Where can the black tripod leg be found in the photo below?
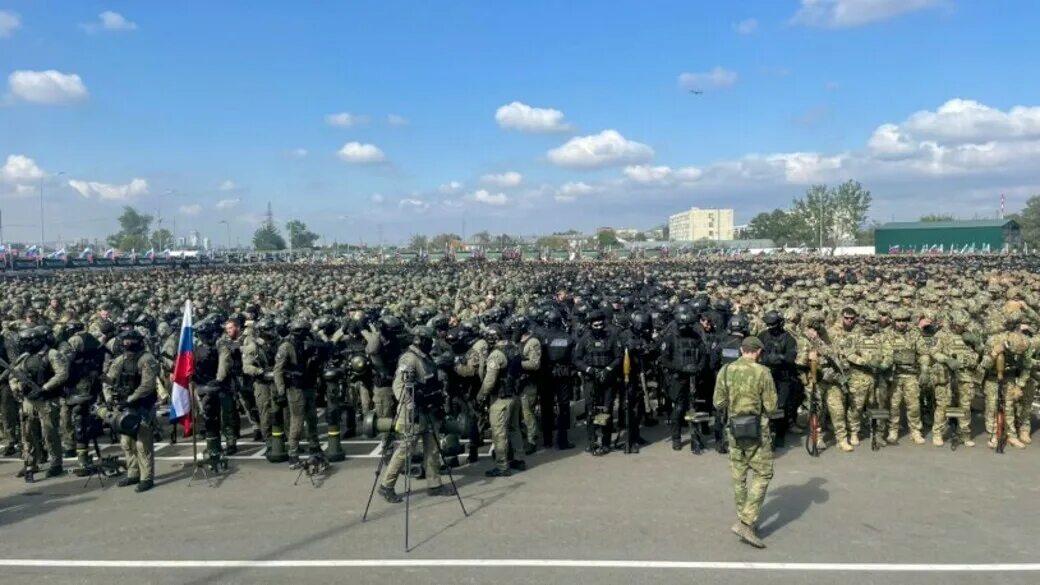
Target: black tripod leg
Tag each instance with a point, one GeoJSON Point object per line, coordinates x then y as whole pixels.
{"type": "Point", "coordinates": [440, 455]}
{"type": "Point", "coordinates": [379, 468]}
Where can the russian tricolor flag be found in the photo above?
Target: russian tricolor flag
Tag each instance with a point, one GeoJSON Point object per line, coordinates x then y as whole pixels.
{"type": "Point", "coordinates": [183, 370]}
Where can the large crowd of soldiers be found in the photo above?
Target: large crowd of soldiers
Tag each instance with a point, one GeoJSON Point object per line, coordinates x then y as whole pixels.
{"type": "Point", "coordinates": [523, 349]}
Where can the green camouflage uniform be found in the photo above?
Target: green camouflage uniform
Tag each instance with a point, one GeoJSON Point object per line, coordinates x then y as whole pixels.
{"type": "Point", "coordinates": [504, 412]}
{"type": "Point", "coordinates": [1017, 369]}
{"type": "Point", "coordinates": [905, 382]}
{"type": "Point", "coordinates": [531, 351]}
{"type": "Point", "coordinates": [139, 451]}
{"type": "Point", "coordinates": [258, 360]}
{"type": "Point", "coordinates": [960, 366]}
{"type": "Point", "coordinates": [414, 363]}
{"type": "Point", "coordinates": [745, 387]}
{"type": "Point", "coordinates": [44, 410]}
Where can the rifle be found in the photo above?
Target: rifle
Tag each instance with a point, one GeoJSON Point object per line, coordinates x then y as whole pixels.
{"type": "Point", "coordinates": [815, 422]}
{"type": "Point", "coordinates": [999, 432]}
{"type": "Point", "coordinates": [626, 371]}
{"type": "Point", "coordinates": [35, 389]}
{"type": "Point", "coordinates": [954, 414]}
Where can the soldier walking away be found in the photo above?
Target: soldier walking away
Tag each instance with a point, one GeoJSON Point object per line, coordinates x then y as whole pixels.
{"type": "Point", "coordinates": [745, 390]}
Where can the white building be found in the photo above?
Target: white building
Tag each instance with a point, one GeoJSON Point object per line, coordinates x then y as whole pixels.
{"type": "Point", "coordinates": [701, 224]}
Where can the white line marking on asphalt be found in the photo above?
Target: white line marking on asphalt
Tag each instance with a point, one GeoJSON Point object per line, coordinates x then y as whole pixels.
{"type": "Point", "coordinates": [531, 563]}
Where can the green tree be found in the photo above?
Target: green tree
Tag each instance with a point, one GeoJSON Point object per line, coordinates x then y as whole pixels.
{"type": "Point", "coordinates": [783, 227]}
{"type": "Point", "coordinates": [833, 216]}
{"type": "Point", "coordinates": [483, 238]}
{"type": "Point", "coordinates": [267, 238]}
{"type": "Point", "coordinates": [131, 223]}
{"type": "Point", "coordinates": [418, 242]}
{"type": "Point", "coordinates": [639, 237]}
{"type": "Point", "coordinates": [161, 239]}
{"type": "Point", "coordinates": [299, 235]}
{"type": "Point", "coordinates": [443, 241]}
{"type": "Point", "coordinates": [935, 217]}
{"type": "Point", "coordinates": [505, 241]}
{"type": "Point", "coordinates": [607, 238]}
{"type": "Point", "coordinates": [132, 242]}
{"type": "Point", "coordinates": [1029, 221]}
{"type": "Point", "coordinates": [554, 242]}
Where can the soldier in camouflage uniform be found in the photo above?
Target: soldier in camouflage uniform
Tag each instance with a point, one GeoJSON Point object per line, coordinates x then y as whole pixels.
{"type": "Point", "coordinates": [745, 388]}
{"type": "Point", "coordinates": [48, 370]}
{"type": "Point", "coordinates": [130, 386]}
{"type": "Point", "coordinates": [501, 384]}
{"type": "Point", "coordinates": [9, 406]}
{"type": "Point", "coordinates": [960, 363]}
{"type": "Point", "coordinates": [904, 344]}
{"type": "Point", "coordinates": [258, 353]}
{"type": "Point", "coordinates": [531, 352]}
{"type": "Point", "coordinates": [1017, 367]}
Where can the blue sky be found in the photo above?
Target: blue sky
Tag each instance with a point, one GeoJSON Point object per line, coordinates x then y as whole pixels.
{"type": "Point", "coordinates": [207, 110]}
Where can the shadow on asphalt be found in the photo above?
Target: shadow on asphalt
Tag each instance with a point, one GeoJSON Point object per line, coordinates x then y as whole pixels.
{"type": "Point", "coordinates": [789, 503]}
{"type": "Point", "coordinates": [38, 501]}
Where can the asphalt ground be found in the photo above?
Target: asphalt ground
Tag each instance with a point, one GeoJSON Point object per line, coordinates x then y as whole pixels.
{"type": "Point", "coordinates": [905, 514]}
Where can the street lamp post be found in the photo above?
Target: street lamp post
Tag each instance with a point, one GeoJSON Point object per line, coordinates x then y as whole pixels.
{"type": "Point", "coordinates": [228, 227]}
{"type": "Point", "coordinates": [41, 209]}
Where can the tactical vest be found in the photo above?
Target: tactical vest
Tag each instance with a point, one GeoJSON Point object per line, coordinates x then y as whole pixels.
{"type": "Point", "coordinates": [730, 348]}
{"type": "Point", "coordinates": [686, 352]}
{"type": "Point", "coordinates": [870, 349]}
{"type": "Point", "coordinates": [206, 364]}
{"type": "Point", "coordinates": [128, 378]}
{"type": "Point", "coordinates": [774, 344]}
{"type": "Point", "coordinates": [508, 380]}
{"type": "Point", "coordinates": [558, 347]}
{"type": "Point", "coordinates": [904, 356]}
{"type": "Point", "coordinates": [37, 367]}
{"type": "Point", "coordinates": [964, 354]}
{"type": "Point", "coordinates": [599, 354]}
{"type": "Point", "coordinates": [86, 361]}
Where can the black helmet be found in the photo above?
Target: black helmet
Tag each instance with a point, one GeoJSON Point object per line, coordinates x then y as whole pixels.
{"type": "Point", "coordinates": [722, 305]}
{"type": "Point", "coordinates": [773, 319]}
{"type": "Point", "coordinates": [325, 324]}
{"type": "Point", "coordinates": [685, 319]}
{"type": "Point", "coordinates": [422, 333]}
{"type": "Point", "coordinates": [207, 329]}
{"type": "Point", "coordinates": [596, 315]}
{"type": "Point", "coordinates": [738, 324]}
{"type": "Point", "coordinates": [147, 321]}
{"type": "Point", "coordinates": [31, 339]}
{"type": "Point", "coordinates": [438, 322]}
{"type": "Point", "coordinates": [390, 323]}
{"type": "Point", "coordinates": [640, 322]}
{"type": "Point", "coordinates": [552, 318]}
{"type": "Point", "coordinates": [494, 332]}
{"type": "Point", "coordinates": [71, 328]}
{"type": "Point", "coordinates": [299, 327]}
{"type": "Point", "coordinates": [265, 325]}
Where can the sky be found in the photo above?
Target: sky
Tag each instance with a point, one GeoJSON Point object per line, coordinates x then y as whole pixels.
{"type": "Point", "coordinates": [374, 120]}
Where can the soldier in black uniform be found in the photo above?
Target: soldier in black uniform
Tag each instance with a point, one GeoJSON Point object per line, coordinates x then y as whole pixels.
{"type": "Point", "coordinates": [207, 389]}
{"type": "Point", "coordinates": [637, 341]}
{"type": "Point", "coordinates": [598, 356]}
{"type": "Point", "coordinates": [556, 392]}
{"type": "Point", "coordinates": [779, 356]}
{"type": "Point", "coordinates": [683, 357]}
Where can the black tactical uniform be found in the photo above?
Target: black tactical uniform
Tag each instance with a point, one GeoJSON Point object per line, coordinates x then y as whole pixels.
{"type": "Point", "coordinates": [683, 356]}
{"type": "Point", "coordinates": [598, 356]}
{"type": "Point", "coordinates": [779, 355]}
{"type": "Point", "coordinates": [558, 349]}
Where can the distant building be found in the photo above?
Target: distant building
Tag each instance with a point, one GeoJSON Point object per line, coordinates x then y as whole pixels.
{"type": "Point", "coordinates": [701, 224]}
{"type": "Point", "coordinates": [980, 236]}
{"type": "Point", "coordinates": [205, 244]}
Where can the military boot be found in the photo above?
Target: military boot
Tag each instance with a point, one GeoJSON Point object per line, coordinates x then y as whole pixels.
{"type": "Point", "coordinates": [1014, 442]}
{"type": "Point", "coordinates": [747, 534]}
{"type": "Point", "coordinates": [937, 439]}
{"type": "Point", "coordinates": [844, 446]}
{"type": "Point", "coordinates": [1023, 435]}
{"type": "Point", "coordinates": [917, 437]}
{"type": "Point", "coordinates": [893, 437]}
{"type": "Point", "coordinates": [389, 495]}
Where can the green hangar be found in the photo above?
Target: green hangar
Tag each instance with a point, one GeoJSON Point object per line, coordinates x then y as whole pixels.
{"type": "Point", "coordinates": [969, 236]}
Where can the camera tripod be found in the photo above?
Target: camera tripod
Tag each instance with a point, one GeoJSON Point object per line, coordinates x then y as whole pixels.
{"type": "Point", "coordinates": [410, 437]}
{"type": "Point", "coordinates": [314, 465]}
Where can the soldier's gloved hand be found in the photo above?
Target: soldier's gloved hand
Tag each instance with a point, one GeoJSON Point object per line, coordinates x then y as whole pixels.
{"type": "Point", "coordinates": [36, 394]}
{"type": "Point", "coordinates": [1014, 392]}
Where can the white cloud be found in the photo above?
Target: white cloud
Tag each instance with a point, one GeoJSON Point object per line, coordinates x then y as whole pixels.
{"type": "Point", "coordinates": [193, 209]}
{"type": "Point", "coordinates": [108, 191]}
{"type": "Point", "coordinates": [9, 22]}
{"type": "Point", "coordinates": [507, 179]}
{"type": "Point", "coordinates": [228, 185]}
{"type": "Point", "coordinates": [606, 149]}
{"type": "Point", "coordinates": [228, 203]}
{"type": "Point", "coordinates": [345, 120]}
{"type": "Point", "coordinates": [487, 198]}
{"type": "Point", "coordinates": [46, 87]}
{"type": "Point", "coordinates": [395, 120]}
{"type": "Point", "coordinates": [361, 154]}
{"type": "Point", "coordinates": [746, 26]}
{"type": "Point", "coordinates": [662, 175]}
{"type": "Point", "coordinates": [109, 21]}
{"type": "Point", "coordinates": [411, 204]}
{"type": "Point", "coordinates": [962, 121]}
{"type": "Point", "coordinates": [19, 169]}
{"type": "Point", "coordinates": [524, 118]}
{"type": "Point", "coordinates": [297, 153]}
{"type": "Point", "coordinates": [377, 198]}
{"type": "Point", "coordinates": [717, 78]}
{"type": "Point", "coordinates": [851, 13]}
{"type": "Point", "coordinates": [450, 187]}
{"type": "Point", "coordinates": [572, 190]}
